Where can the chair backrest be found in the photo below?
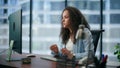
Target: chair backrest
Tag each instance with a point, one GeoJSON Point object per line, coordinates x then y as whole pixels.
{"type": "Point", "coordinates": [96, 36]}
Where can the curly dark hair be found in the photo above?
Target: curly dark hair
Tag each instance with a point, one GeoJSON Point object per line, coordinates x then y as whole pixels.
{"type": "Point", "coordinates": [76, 18]}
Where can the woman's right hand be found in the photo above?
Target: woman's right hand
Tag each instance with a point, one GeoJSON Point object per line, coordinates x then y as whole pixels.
{"type": "Point", "coordinates": [54, 48]}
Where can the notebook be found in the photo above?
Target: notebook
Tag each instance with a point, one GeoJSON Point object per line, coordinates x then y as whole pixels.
{"type": "Point", "coordinates": [51, 58]}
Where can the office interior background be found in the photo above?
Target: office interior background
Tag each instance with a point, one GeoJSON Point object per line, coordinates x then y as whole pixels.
{"type": "Point", "coordinates": [46, 16]}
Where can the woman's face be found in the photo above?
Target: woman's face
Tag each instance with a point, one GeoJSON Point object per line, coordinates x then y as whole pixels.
{"type": "Point", "coordinates": [66, 19]}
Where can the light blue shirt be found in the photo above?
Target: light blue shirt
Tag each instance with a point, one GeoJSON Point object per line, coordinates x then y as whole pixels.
{"type": "Point", "coordinates": [82, 46]}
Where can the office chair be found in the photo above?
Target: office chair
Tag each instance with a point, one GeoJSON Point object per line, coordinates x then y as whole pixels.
{"type": "Point", "coordinates": [96, 36]}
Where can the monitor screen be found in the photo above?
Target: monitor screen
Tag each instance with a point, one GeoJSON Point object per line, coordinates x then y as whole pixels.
{"type": "Point", "coordinates": [15, 30]}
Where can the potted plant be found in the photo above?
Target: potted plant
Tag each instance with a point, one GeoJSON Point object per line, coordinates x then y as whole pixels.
{"type": "Point", "coordinates": [117, 51]}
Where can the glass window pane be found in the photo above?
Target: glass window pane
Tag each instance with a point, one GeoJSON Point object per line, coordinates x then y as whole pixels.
{"type": "Point", "coordinates": [46, 25]}
{"type": "Point", "coordinates": [1, 12]}
{"type": "Point", "coordinates": [56, 6]}
{"type": "Point", "coordinates": [25, 19]}
{"type": "Point", "coordinates": [94, 5]}
{"type": "Point", "coordinates": [55, 19]}
{"type": "Point", "coordinates": [79, 4]}
{"type": "Point", "coordinates": [4, 32]}
{"type": "Point", "coordinates": [11, 10]}
{"type": "Point", "coordinates": [114, 4]}
{"type": "Point", "coordinates": [38, 18]}
{"type": "Point", "coordinates": [38, 5]}
{"type": "Point", "coordinates": [115, 33]}
{"type": "Point", "coordinates": [95, 19]}
{"type": "Point", "coordinates": [3, 21]}
{"type": "Point", "coordinates": [5, 1]}
{"type": "Point", "coordinates": [8, 7]}
{"type": "Point", "coordinates": [115, 18]}
{"type": "Point", "coordinates": [82, 4]}
{"type": "Point", "coordinates": [13, 2]}
{"type": "Point", "coordinates": [5, 11]}
{"type": "Point", "coordinates": [25, 6]}
{"type": "Point", "coordinates": [1, 2]}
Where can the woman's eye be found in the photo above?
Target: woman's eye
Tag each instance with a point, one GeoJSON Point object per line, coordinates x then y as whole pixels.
{"type": "Point", "coordinates": [66, 16]}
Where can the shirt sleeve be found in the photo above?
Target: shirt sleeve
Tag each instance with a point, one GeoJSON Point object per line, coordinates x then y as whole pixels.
{"type": "Point", "coordinates": [60, 46]}
{"type": "Point", "coordinates": [83, 46]}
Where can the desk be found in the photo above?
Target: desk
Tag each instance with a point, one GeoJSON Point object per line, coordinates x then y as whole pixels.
{"type": "Point", "coordinates": [36, 62]}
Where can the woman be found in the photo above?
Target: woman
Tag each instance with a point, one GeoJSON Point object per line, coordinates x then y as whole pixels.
{"type": "Point", "coordinates": [75, 35]}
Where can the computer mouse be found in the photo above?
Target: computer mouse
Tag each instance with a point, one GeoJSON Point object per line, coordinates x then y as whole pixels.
{"type": "Point", "coordinates": [31, 55]}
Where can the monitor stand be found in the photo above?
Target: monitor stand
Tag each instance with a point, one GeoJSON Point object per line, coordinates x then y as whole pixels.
{"type": "Point", "coordinates": [9, 53]}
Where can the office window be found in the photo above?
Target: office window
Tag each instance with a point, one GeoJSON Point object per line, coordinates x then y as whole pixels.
{"type": "Point", "coordinates": [46, 24]}
{"type": "Point", "coordinates": [40, 18]}
{"type": "Point", "coordinates": [0, 21]}
{"type": "Point", "coordinates": [3, 31]}
{"type": "Point", "coordinates": [95, 5]}
{"type": "Point", "coordinates": [5, 11]}
{"type": "Point", "coordinates": [115, 33]}
{"type": "Point", "coordinates": [86, 5]}
{"type": "Point", "coordinates": [95, 19]}
{"type": "Point", "coordinates": [115, 18]}
{"type": "Point", "coordinates": [114, 4]}
{"type": "Point", "coordinates": [5, 1]}
{"type": "Point", "coordinates": [25, 6]}
{"type": "Point", "coordinates": [4, 41]}
{"type": "Point", "coordinates": [13, 2]}
{"type": "Point", "coordinates": [25, 19]}
{"type": "Point", "coordinates": [55, 19]}
{"type": "Point", "coordinates": [3, 21]}
{"type": "Point", "coordinates": [1, 2]}
{"type": "Point", "coordinates": [38, 5]}
{"type": "Point", "coordinates": [56, 6]}
{"type": "Point", "coordinates": [111, 49]}
{"type": "Point", "coordinates": [90, 9]}
{"type": "Point", "coordinates": [25, 44]}
{"type": "Point", "coordinates": [1, 12]}
{"type": "Point", "coordinates": [81, 4]}
{"type": "Point", "coordinates": [11, 10]}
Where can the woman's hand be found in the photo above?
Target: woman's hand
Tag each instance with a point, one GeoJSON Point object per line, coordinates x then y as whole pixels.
{"type": "Point", "coordinates": [67, 52]}
{"type": "Point", "coordinates": [54, 48]}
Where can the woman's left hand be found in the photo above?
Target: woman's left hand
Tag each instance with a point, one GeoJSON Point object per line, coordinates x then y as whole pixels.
{"type": "Point", "coordinates": [67, 52]}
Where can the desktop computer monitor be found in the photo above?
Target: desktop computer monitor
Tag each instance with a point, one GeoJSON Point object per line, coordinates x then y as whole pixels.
{"type": "Point", "coordinates": [15, 30]}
